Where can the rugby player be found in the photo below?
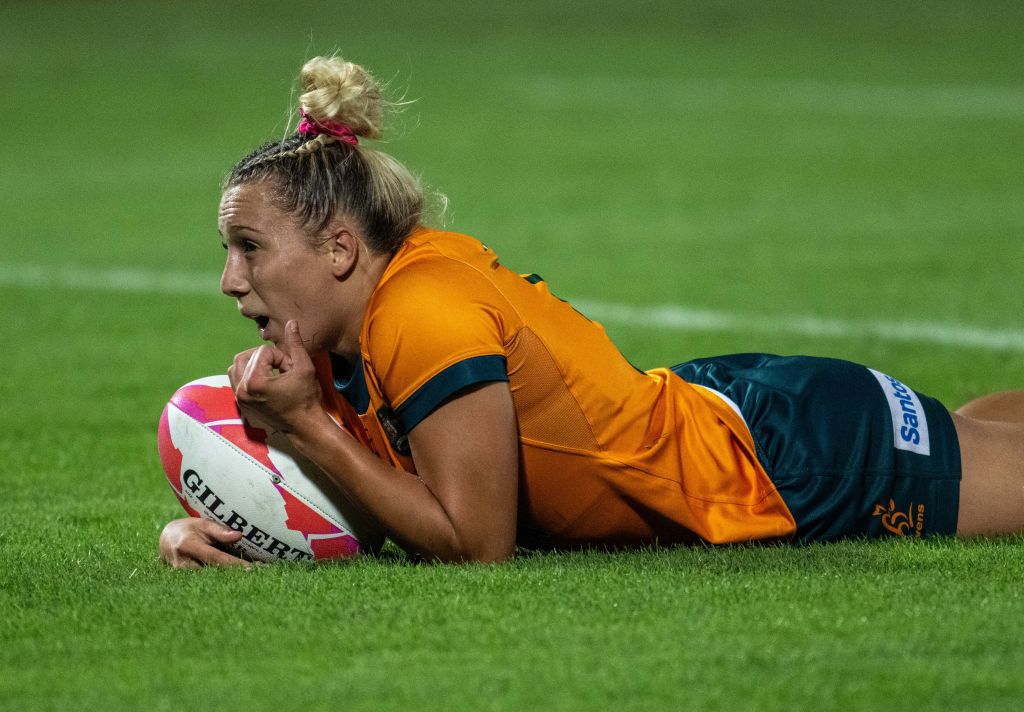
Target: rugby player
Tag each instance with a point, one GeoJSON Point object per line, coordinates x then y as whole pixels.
{"type": "Point", "coordinates": [483, 413]}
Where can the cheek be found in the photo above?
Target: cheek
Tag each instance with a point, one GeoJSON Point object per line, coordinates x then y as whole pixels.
{"type": "Point", "coordinates": [272, 279]}
{"type": "Point", "coordinates": [295, 284]}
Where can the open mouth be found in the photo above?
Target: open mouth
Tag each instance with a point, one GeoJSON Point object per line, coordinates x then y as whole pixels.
{"type": "Point", "coordinates": [262, 321]}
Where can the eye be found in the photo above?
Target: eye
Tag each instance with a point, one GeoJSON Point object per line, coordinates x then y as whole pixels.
{"type": "Point", "coordinates": [249, 246]}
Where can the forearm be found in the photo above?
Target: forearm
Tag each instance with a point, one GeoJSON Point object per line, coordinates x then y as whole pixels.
{"type": "Point", "coordinates": [409, 512]}
{"type": "Point", "coordinates": [462, 504]}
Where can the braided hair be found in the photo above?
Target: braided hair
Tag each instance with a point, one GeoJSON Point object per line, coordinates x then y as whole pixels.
{"type": "Point", "coordinates": [322, 171]}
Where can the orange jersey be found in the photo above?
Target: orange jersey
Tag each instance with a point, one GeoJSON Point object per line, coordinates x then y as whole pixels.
{"type": "Point", "coordinates": [609, 455]}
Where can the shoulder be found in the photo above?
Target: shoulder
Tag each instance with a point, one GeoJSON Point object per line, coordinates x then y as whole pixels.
{"type": "Point", "coordinates": [436, 278]}
{"type": "Point", "coordinates": [435, 306]}
{"type": "Point", "coordinates": [431, 257]}
{"type": "Point", "coordinates": [436, 324]}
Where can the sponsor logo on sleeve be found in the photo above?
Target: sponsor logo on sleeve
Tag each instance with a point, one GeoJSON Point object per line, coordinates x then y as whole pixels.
{"type": "Point", "coordinates": [392, 427]}
{"type": "Point", "coordinates": [909, 424]}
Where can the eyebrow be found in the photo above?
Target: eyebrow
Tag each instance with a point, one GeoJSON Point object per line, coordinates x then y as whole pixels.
{"type": "Point", "coordinates": [235, 228]}
{"type": "Point", "coordinates": [246, 227]}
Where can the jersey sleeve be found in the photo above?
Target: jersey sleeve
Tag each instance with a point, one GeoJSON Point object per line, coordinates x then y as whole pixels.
{"type": "Point", "coordinates": [433, 334]}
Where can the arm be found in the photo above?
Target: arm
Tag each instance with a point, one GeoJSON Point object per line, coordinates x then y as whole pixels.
{"type": "Point", "coordinates": [461, 507]}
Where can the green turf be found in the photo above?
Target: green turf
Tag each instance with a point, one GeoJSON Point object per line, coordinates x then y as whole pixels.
{"type": "Point", "coordinates": [857, 161]}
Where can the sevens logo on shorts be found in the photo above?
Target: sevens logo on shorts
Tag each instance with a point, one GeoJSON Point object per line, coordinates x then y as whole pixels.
{"type": "Point", "coordinates": [901, 523]}
{"type": "Point", "coordinates": [909, 424]}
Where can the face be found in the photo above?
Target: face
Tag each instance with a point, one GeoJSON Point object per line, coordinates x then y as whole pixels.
{"type": "Point", "coordinates": [274, 271]}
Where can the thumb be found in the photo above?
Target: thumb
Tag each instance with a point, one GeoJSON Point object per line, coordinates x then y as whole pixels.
{"type": "Point", "coordinates": [221, 533]}
{"type": "Point", "coordinates": [292, 344]}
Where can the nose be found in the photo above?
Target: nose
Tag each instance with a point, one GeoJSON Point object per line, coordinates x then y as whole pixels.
{"type": "Point", "coordinates": [233, 281]}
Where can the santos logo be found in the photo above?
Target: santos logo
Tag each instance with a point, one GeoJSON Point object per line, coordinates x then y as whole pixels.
{"type": "Point", "coordinates": [909, 425]}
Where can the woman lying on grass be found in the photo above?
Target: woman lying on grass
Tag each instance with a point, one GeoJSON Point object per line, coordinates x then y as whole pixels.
{"type": "Point", "coordinates": [484, 413]}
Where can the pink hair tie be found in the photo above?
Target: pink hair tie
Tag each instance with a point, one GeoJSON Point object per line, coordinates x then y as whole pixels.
{"type": "Point", "coordinates": [340, 131]}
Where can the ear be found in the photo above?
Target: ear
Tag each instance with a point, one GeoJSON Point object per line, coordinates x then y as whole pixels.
{"type": "Point", "coordinates": [343, 249]}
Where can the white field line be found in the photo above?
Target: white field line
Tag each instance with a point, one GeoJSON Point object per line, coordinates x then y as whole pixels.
{"type": "Point", "coordinates": [107, 280]}
{"type": "Point", "coordinates": [672, 317]}
{"type": "Point", "coordinates": [680, 318]}
{"type": "Point", "coordinates": [950, 101]}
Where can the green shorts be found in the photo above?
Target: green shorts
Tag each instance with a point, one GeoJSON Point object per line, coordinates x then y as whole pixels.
{"type": "Point", "coordinates": [853, 452]}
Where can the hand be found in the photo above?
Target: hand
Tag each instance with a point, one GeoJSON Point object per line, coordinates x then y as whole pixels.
{"type": "Point", "coordinates": [191, 542]}
{"type": "Point", "coordinates": [277, 387]}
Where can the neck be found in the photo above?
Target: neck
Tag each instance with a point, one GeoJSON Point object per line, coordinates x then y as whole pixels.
{"type": "Point", "coordinates": [363, 281]}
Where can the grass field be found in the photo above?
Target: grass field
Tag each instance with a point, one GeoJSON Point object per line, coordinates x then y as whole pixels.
{"type": "Point", "coordinates": [784, 166]}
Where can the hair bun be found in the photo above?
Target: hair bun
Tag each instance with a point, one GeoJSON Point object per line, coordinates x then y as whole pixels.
{"type": "Point", "coordinates": [336, 90]}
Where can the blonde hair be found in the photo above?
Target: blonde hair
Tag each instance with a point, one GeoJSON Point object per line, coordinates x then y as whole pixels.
{"type": "Point", "coordinates": [320, 176]}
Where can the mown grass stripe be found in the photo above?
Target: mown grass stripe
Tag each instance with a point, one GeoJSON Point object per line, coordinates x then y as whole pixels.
{"type": "Point", "coordinates": [948, 101]}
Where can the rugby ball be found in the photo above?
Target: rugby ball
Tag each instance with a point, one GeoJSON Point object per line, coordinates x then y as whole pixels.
{"type": "Point", "coordinates": [224, 469]}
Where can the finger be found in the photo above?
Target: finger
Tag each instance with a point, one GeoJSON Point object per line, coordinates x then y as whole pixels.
{"type": "Point", "coordinates": [203, 552]}
{"type": "Point", "coordinates": [248, 372]}
{"type": "Point", "coordinates": [238, 365]}
{"type": "Point", "coordinates": [242, 358]}
{"type": "Point", "coordinates": [260, 369]}
{"type": "Point", "coordinates": [292, 341]}
{"type": "Point", "coordinates": [257, 370]}
{"type": "Point", "coordinates": [276, 358]}
{"type": "Point", "coordinates": [183, 562]}
{"type": "Point", "coordinates": [212, 556]}
{"type": "Point", "coordinates": [294, 349]}
{"type": "Point", "coordinates": [218, 531]}
{"type": "Point", "coordinates": [245, 389]}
